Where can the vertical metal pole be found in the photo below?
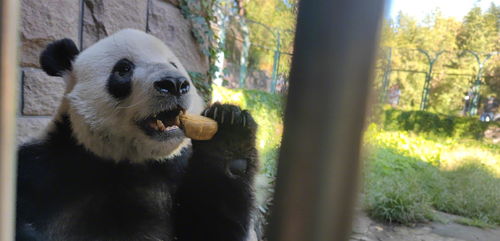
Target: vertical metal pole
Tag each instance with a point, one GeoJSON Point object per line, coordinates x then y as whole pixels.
{"type": "Point", "coordinates": [244, 52]}
{"type": "Point", "coordinates": [276, 53]}
{"type": "Point", "coordinates": [387, 76]}
{"type": "Point", "coordinates": [477, 83]}
{"type": "Point", "coordinates": [9, 11]}
{"type": "Point", "coordinates": [220, 9]}
{"type": "Point", "coordinates": [276, 63]}
{"type": "Point", "coordinates": [332, 69]}
{"type": "Point", "coordinates": [428, 77]}
{"type": "Point", "coordinates": [425, 91]}
{"type": "Point", "coordinates": [475, 91]}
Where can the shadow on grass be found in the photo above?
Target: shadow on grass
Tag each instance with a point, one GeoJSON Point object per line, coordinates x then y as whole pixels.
{"type": "Point", "coordinates": [402, 189]}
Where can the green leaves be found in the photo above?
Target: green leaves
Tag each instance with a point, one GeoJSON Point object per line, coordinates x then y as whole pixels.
{"type": "Point", "coordinates": [435, 124]}
{"type": "Point", "coordinates": [455, 69]}
{"type": "Point", "coordinates": [200, 14]}
{"type": "Point", "coordinates": [202, 85]}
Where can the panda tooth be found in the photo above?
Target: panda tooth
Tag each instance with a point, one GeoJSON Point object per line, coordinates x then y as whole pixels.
{"type": "Point", "coordinates": [171, 128]}
{"type": "Point", "coordinates": [159, 123]}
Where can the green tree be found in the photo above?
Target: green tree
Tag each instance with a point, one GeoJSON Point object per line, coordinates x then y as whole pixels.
{"type": "Point", "coordinates": [480, 33]}
{"type": "Point", "coordinates": [454, 70]}
{"type": "Point", "coordinates": [279, 16]}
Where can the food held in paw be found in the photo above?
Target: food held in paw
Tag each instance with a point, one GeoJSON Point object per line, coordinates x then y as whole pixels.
{"type": "Point", "coordinates": [198, 127]}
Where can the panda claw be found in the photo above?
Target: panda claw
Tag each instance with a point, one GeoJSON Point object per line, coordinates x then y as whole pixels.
{"type": "Point", "coordinates": [215, 113]}
{"type": "Point", "coordinates": [232, 117]}
{"type": "Point", "coordinates": [205, 112]}
{"type": "Point", "coordinates": [222, 117]}
{"type": "Point", "coordinates": [244, 120]}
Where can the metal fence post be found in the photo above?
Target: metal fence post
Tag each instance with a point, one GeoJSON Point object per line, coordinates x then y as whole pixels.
{"type": "Point", "coordinates": [9, 13]}
{"type": "Point", "coordinates": [222, 20]}
{"type": "Point", "coordinates": [387, 76]}
{"type": "Point", "coordinates": [425, 91]}
{"type": "Point", "coordinates": [318, 170]}
{"type": "Point", "coordinates": [244, 53]}
{"type": "Point", "coordinates": [428, 77]}
{"type": "Point", "coordinates": [473, 109]}
{"type": "Point", "coordinates": [276, 63]}
{"type": "Point", "coordinates": [277, 52]}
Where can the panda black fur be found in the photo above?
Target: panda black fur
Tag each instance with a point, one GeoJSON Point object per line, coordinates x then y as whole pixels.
{"type": "Point", "coordinates": [100, 173]}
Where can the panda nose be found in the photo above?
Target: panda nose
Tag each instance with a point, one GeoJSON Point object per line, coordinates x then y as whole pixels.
{"type": "Point", "coordinates": [172, 85]}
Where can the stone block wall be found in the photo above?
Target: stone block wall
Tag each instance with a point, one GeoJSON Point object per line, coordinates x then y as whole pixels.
{"type": "Point", "coordinates": [85, 22]}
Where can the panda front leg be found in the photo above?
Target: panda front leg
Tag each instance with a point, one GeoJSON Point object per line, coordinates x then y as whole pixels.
{"type": "Point", "coordinates": [215, 200]}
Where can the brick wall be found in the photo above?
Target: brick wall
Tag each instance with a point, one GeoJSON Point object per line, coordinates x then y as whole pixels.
{"type": "Point", "coordinates": [85, 22]}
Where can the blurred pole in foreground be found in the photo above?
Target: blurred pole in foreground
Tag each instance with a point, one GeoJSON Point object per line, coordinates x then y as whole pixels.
{"type": "Point", "coordinates": [332, 69]}
{"type": "Point", "coordinates": [9, 11]}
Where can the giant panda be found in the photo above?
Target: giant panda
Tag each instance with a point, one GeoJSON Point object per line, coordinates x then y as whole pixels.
{"type": "Point", "coordinates": [103, 170]}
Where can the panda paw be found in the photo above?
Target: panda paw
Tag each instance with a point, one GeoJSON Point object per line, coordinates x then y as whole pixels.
{"type": "Point", "coordinates": [233, 146]}
{"type": "Point", "coordinates": [231, 117]}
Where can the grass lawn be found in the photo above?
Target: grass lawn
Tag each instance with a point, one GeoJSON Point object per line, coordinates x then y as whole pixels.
{"type": "Point", "coordinates": [408, 175]}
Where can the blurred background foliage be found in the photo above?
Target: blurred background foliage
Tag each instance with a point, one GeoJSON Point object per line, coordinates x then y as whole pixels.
{"type": "Point", "coordinates": [280, 16]}
{"type": "Point", "coordinates": [454, 70]}
{"type": "Point", "coordinates": [249, 43]}
{"type": "Point", "coordinates": [255, 39]}
{"type": "Point", "coordinates": [415, 161]}
{"type": "Point", "coordinates": [435, 124]}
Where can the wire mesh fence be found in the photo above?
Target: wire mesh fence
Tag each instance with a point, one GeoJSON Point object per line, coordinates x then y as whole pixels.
{"type": "Point", "coordinates": [258, 64]}
{"type": "Point", "coordinates": [258, 56]}
{"type": "Point", "coordinates": [251, 55]}
{"type": "Point", "coordinates": [452, 82]}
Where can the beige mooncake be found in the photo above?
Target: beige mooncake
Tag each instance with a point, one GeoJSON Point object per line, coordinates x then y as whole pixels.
{"type": "Point", "coordinates": [198, 127]}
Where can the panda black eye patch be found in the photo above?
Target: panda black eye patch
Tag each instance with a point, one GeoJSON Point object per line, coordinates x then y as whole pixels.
{"type": "Point", "coordinates": [120, 79]}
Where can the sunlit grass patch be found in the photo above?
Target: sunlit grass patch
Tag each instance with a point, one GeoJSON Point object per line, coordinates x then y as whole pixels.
{"type": "Point", "coordinates": [459, 155]}
{"type": "Point", "coordinates": [472, 191]}
{"type": "Point", "coordinates": [407, 175]}
{"type": "Point", "coordinates": [394, 190]}
{"type": "Point", "coordinates": [447, 153]}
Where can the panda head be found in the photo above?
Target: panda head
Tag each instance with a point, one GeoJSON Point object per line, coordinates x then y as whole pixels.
{"type": "Point", "coordinates": [123, 95]}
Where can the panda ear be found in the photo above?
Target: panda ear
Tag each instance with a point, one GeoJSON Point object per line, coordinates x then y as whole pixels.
{"type": "Point", "coordinates": [57, 57]}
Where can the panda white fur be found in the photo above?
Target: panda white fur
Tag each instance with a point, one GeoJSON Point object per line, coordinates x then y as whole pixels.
{"type": "Point", "coordinates": [104, 171]}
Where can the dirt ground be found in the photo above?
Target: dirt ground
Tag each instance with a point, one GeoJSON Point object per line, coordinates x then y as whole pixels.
{"type": "Point", "coordinates": [366, 229]}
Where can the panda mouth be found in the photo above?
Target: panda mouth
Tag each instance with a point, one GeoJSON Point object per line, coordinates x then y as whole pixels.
{"type": "Point", "coordinates": [162, 123]}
